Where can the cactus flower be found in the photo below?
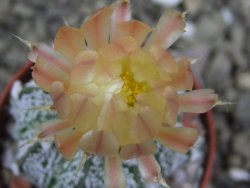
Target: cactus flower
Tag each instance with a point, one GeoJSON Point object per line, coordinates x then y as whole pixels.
{"type": "Point", "coordinates": [115, 87]}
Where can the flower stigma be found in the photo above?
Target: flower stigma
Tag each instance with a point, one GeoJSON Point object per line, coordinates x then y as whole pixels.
{"type": "Point", "coordinates": [131, 88]}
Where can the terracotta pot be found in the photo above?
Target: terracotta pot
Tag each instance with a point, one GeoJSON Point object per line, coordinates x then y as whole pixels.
{"type": "Point", "coordinates": [24, 74]}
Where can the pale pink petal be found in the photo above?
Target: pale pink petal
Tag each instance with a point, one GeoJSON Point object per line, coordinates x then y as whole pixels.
{"type": "Point", "coordinates": [183, 78]}
{"type": "Point", "coordinates": [97, 28]}
{"type": "Point", "coordinates": [83, 70]}
{"type": "Point", "coordinates": [68, 142]}
{"type": "Point", "coordinates": [69, 42]}
{"type": "Point", "coordinates": [49, 66]}
{"type": "Point", "coordinates": [122, 11]}
{"type": "Point", "coordinates": [197, 101]}
{"type": "Point", "coordinates": [52, 127]}
{"type": "Point", "coordinates": [171, 106]}
{"type": "Point", "coordinates": [118, 49]}
{"type": "Point", "coordinates": [44, 73]}
{"type": "Point", "coordinates": [85, 113]}
{"type": "Point", "coordinates": [114, 177]}
{"type": "Point", "coordinates": [61, 101]}
{"type": "Point", "coordinates": [137, 150]}
{"type": "Point", "coordinates": [179, 139]}
{"type": "Point", "coordinates": [150, 169]}
{"type": "Point", "coordinates": [99, 143]}
{"type": "Point", "coordinates": [154, 101]}
{"type": "Point", "coordinates": [122, 127]}
{"type": "Point", "coordinates": [90, 89]}
{"type": "Point", "coordinates": [139, 59]}
{"type": "Point", "coordinates": [133, 28]}
{"type": "Point", "coordinates": [164, 60]}
{"type": "Point", "coordinates": [106, 120]}
{"type": "Point", "coordinates": [169, 28]}
{"type": "Point", "coordinates": [146, 125]}
{"type": "Point", "coordinates": [49, 55]}
{"type": "Point", "coordinates": [78, 103]}
{"type": "Point", "coordinates": [112, 52]}
{"type": "Point", "coordinates": [108, 65]}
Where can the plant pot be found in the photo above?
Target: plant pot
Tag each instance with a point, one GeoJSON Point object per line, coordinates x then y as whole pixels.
{"type": "Point", "coordinates": [24, 75]}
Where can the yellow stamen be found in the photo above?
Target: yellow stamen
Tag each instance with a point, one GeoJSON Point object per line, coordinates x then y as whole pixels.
{"type": "Point", "coordinates": [131, 88]}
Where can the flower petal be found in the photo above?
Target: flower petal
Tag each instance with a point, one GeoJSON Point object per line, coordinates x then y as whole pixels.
{"type": "Point", "coordinates": [183, 78]}
{"type": "Point", "coordinates": [118, 49]}
{"type": "Point", "coordinates": [164, 60]}
{"type": "Point", "coordinates": [83, 113]}
{"type": "Point", "coordinates": [108, 65]}
{"type": "Point", "coordinates": [169, 28]}
{"type": "Point", "coordinates": [61, 101]}
{"type": "Point", "coordinates": [150, 169]}
{"type": "Point", "coordinates": [146, 125]}
{"type": "Point", "coordinates": [122, 11]}
{"type": "Point", "coordinates": [69, 42]}
{"type": "Point", "coordinates": [49, 68]}
{"type": "Point", "coordinates": [139, 59]}
{"type": "Point", "coordinates": [83, 70]}
{"type": "Point", "coordinates": [133, 28]}
{"type": "Point", "coordinates": [137, 150]}
{"type": "Point", "coordinates": [78, 103]}
{"type": "Point", "coordinates": [171, 106]}
{"type": "Point", "coordinates": [123, 126]}
{"type": "Point", "coordinates": [197, 101]}
{"type": "Point", "coordinates": [154, 101]}
{"type": "Point", "coordinates": [49, 55]}
{"type": "Point", "coordinates": [105, 118]}
{"type": "Point", "coordinates": [114, 177]}
{"type": "Point", "coordinates": [179, 139]}
{"type": "Point", "coordinates": [99, 143]}
{"type": "Point", "coordinates": [97, 28]}
{"type": "Point", "coordinates": [52, 127]}
{"type": "Point", "coordinates": [67, 142]}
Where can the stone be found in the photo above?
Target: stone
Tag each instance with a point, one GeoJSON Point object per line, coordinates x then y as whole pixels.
{"type": "Point", "coordinates": [238, 174]}
{"type": "Point", "coordinates": [218, 72]}
{"type": "Point", "coordinates": [235, 160]}
{"type": "Point", "coordinates": [243, 80]}
{"type": "Point", "coordinates": [223, 131]}
{"type": "Point", "coordinates": [210, 28]}
{"type": "Point", "coordinates": [193, 6]}
{"type": "Point", "coordinates": [239, 141]}
{"type": "Point", "coordinates": [242, 110]}
{"type": "Point", "coordinates": [23, 9]}
{"type": "Point", "coordinates": [168, 3]}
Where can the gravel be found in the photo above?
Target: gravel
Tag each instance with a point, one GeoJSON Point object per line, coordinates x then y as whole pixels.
{"type": "Point", "coordinates": [220, 40]}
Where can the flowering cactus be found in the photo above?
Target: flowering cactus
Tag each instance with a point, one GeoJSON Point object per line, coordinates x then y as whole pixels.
{"type": "Point", "coordinates": [116, 88]}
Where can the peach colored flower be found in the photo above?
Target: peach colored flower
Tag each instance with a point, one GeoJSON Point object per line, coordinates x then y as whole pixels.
{"type": "Point", "coordinates": [115, 88]}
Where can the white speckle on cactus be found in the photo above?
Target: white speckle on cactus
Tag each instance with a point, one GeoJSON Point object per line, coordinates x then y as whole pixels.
{"type": "Point", "coordinates": [16, 89]}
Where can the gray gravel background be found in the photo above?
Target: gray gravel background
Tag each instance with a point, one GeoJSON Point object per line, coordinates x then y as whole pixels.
{"type": "Point", "coordinates": [218, 33]}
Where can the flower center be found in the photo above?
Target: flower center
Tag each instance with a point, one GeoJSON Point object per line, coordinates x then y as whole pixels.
{"type": "Point", "coordinates": [131, 88]}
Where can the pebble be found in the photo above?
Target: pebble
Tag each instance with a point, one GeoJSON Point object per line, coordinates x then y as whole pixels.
{"type": "Point", "coordinates": [227, 15]}
{"type": "Point", "coordinates": [218, 75]}
{"type": "Point", "coordinates": [210, 28]}
{"type": "Point", "coordinates": [243, 80]}
{"type": "Point", "coordinates": [23, 10]}
{"type": "Point", "coordinates": [239, 141]}
{"type": "Point", "coordinates": [239, 174]}
{"type": "Point", "coordinates": [242, 111]}
{"type": "Point", "coordinates": [168, 3]}
{"type": "Point", "coordinates": [235, 160]}
{"type": "Point", "coordinates": [193, 6]}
